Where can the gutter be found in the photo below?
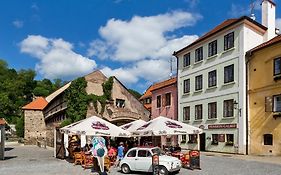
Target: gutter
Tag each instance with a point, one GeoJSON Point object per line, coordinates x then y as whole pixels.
{"type": "Point", "coordinates": [247, 56]}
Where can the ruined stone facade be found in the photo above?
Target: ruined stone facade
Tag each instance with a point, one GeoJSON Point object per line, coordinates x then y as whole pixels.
{"type": "Point", "coordinates": [123, 108]}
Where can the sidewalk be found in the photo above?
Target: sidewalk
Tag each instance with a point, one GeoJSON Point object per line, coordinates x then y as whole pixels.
{"type": "Point", "coordinates": [264, 159]}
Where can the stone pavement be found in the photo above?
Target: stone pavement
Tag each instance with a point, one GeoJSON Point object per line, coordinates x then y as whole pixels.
{"type": "Point", "coordinates": [31, 160]}
{"type": "Point", "coordinates": [264, 159]}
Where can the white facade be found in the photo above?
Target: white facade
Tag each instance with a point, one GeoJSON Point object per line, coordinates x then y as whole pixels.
{"type": "Point", "coordinates": [246, 36]}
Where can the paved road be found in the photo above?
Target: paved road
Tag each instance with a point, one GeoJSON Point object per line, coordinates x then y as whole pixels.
{"type": "Point", "coordinates": [31, 160]}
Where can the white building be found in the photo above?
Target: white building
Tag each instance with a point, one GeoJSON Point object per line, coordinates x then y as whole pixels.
{"type": "Point", "coordinates": [212, 81]}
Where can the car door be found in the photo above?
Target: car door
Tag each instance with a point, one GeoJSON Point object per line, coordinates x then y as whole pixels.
{"type": "Point", "coordinates": [130, 159]}
{"type": "Point", "coordinates": [143, 161]}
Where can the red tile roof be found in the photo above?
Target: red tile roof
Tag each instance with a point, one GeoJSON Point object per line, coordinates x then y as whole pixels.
{"type": "Point", "coordinates": [163, 84]}
{"type": "Point", "coordinates": [146, 94]}
{"type": "Point", "coordinates": [38, 104]}
{"type": "Point", "coordinates": [225, 24]}
{"type": "Point", "coordinates": [159, 85]}
{"type": "Point", "coordinates": [2, 121]}
{"type": "Point", "coordinates": [265, 44]}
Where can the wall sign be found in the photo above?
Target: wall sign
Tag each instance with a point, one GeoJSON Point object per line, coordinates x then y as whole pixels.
{"type": "Point", "coordinates": [222, 126]}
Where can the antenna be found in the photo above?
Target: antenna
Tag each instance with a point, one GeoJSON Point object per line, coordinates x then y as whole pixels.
{"type": "Point", "coordinates": [171, 66]}
{"type": "Point", "coordinates": [252, 6]}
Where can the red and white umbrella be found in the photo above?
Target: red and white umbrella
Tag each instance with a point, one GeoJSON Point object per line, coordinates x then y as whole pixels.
{"type": "Point", "coordinates": [96, 126]}
{"type": "Point", "coordinates": [132, 126]}
{"type": "Point", "coordinates": [162, 126]}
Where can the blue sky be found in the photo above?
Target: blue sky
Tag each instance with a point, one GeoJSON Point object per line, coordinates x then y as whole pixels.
{"type": "Point", "coordinates": [132, 39]}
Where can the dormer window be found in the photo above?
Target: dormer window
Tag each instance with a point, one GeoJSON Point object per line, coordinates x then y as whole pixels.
{"type": "Point", "coordinates": [147, 100]}
{"type": "Point", "coordinates": [120, 103]}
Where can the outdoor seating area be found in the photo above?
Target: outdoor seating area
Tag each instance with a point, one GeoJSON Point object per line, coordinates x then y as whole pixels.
{"type": "Point", "coordinates": [107, 144]}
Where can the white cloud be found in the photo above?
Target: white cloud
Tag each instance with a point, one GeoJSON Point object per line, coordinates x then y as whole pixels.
{"type": "Point", "coordinates": [18, 23]}
{"type": "Point", "coordinates": [278, 23]}
{"type": "Point", "coordinates": [149, 70]}
{"type": "Point", "coordinates": [142, 37]}
{"type": "Point", "coordinates": [57, 58]}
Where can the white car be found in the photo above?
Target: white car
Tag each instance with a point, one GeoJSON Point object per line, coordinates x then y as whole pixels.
{"type": "Point", "coordinates": [140, 159]}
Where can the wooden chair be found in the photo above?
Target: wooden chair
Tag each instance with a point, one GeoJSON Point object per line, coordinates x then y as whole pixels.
{"type": "Point", "coordinates": [87, 161]}
{"type": "Point", "coordinates": [78, 158]}
{"type": "Point", "coordinates": [107, 163]}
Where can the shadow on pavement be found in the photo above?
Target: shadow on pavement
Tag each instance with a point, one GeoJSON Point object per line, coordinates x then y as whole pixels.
{"type": "Point", "coordinates": [8, 149]}
{"type": "Point", "coordinates": [10, 157]}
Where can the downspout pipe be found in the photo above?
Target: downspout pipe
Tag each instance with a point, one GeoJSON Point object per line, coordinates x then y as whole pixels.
{"type": "Point", "coordinates": [247, 56]}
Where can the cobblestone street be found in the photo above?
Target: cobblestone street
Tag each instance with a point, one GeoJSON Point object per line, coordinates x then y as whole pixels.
{"type": "Point", "coordinates": [31, 160]}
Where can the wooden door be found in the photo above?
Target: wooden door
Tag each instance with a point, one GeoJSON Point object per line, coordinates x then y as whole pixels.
{"type": "Point", "coordinates": [60, 150]}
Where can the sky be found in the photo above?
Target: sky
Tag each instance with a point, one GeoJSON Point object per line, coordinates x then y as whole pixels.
{"type": "Point", "coordinates": [130, 39]}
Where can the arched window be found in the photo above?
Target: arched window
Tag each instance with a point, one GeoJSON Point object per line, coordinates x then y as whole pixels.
{"type": "Point", "coordinates": [267, 139]}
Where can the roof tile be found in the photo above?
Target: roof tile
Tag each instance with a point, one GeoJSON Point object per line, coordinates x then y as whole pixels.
{"type": "Point", "coordinates": [38, 104]}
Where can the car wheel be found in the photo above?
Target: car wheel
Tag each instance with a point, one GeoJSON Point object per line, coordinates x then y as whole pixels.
{"type": "Point", "coordinates": [163, 170]}
{"type": "Point", "coordinates": [125, 169]}
{"type": "Point", "coordinates": [177, 172]}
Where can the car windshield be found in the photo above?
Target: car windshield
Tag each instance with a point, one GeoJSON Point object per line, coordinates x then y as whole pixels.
{"type": "Point", "coordinates": [158, 151]}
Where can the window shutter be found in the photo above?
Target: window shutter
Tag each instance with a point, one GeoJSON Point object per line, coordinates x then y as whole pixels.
{"type": "Point", "coordinates": [268, 104]}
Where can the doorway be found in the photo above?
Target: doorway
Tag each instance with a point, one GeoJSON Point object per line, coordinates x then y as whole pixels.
{"type": "Point", "coordinates": [202, 142]}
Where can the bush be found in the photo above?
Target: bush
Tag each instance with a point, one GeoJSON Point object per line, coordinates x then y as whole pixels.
{"type": "Point", "coordinates": [66, 122]}
{"type": "Point", "coordinates": [20, 127]}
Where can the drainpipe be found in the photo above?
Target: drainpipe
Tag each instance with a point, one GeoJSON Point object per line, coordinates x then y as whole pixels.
{"type": "Point", "coordinates": [177, 88]}
{"type": "Point", "coordinates": [247, 56]}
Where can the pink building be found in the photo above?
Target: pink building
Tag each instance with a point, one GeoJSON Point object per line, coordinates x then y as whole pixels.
{"type": "Point", "coordinates": [164, 103]}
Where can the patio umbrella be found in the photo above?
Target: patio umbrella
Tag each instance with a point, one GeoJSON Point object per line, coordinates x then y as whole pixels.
{"type": "Point", "coordinates": [132, 126]}
{"type": "Point", "coordinates": [65, 129]}
{"type": "Point", "coordinates": [162, 126]}
{"type": "Point", "coordinates": [95, 126]}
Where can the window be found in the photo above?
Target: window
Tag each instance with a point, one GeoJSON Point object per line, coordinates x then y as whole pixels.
{"type": "Point", "coordinates": [186, 113]}
{"type": "Point", "coordinates": [198, 82]}
{"type": "Point", "coordinates": [158, 101]}
{"type": "Point", "coordinates": [215, 139]}
{"type": "Point", "coordinates": [186, 86]}
{"type": "Point", "coordinates": [277, 66]}
{"type": "Point", "coordinates": [183, 139]}
{"type": "Point", "coordinates": [144, 153]}
{"type": "Point", "coordinates": [186, 60]}
{"type": "Point", "coordinates": [277, 103]}
{"type": "Point", "coordinates": [192, 138]}
{"type": "Point", "coordinates": [228, 106]}
{"type": "Point", "coordinates": [229, 139]}
{"type": "Point", "coordinates": [199, 54]}
{"type": "Point", "coordinates": [229, 41]}
{"type": "Point", "coordinates": [212, 78]}
{"type": "Point", "coordinates": [147, 100]}
{"type": "Point", "coordinates": [132, 153]}
{"type": "Point", "coordinates": [168, 99]}
{"type": "Point", "coordinates": [229, 73]}
{"type": "Point", "coordinates": [212, 110]}
{"type": "Point", "coordinates": [198, 112]}
{"type": "Point", "coordinates": [120, 103]}
{"type": "Point", "coordinates": [212, 48]}
{"type": "Point", "coordinates": [267, 139]}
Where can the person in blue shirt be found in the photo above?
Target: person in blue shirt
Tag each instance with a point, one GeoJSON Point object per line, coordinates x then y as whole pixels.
{"type": "Point", "coordinates": [120, 153]}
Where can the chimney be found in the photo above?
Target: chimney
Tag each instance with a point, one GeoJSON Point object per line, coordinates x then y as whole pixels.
{"type": "Point", "coordinates": [268, 18]}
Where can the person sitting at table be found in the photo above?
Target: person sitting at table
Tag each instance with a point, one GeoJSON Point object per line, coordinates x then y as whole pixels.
{"type": "Point", "coordinates": [86, 148]}
{"type": "Point", "coordinates": [177, 148]}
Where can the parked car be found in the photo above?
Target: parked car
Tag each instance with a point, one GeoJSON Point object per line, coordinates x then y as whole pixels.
{"type": "Point", "coordinates": [140, 159]}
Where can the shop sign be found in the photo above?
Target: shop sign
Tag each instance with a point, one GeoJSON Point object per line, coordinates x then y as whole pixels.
{"type": "Point", "coordinates": [222, 126]}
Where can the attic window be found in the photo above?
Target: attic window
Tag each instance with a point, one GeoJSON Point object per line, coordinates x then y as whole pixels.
{"type": "Point", "coordinates": [120, 103]}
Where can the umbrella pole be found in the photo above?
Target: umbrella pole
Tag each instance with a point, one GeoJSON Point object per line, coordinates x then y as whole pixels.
{"type": "Point", "coordinates": [198, 142]}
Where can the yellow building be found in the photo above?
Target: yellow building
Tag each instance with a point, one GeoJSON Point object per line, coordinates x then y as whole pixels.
{"type": "Point", "coordinates": [264, 98]}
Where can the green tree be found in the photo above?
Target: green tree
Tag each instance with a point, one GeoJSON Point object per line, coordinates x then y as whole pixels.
{"type": "Point", "coordinates": [20, 127]}
{"type": "Point", "coordinates": [135, 93]}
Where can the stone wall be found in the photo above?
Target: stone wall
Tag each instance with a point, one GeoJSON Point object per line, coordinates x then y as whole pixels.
{"type": "Point", "coordinates": [34, 127]}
